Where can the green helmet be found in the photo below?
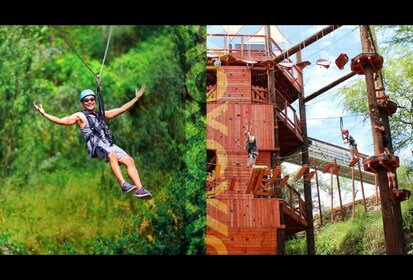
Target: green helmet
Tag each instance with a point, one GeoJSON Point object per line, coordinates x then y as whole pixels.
{"type": "Point", "coordinates": [85, 93]}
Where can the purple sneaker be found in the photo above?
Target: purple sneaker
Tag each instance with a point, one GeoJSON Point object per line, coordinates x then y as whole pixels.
{"type": "Point", "coordinates": [126, 188]}
{"type": "Point", "coordinates": [143, 193]}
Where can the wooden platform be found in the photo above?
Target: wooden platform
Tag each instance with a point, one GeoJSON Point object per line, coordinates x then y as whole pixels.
{"type": "Point", "coordinates": [375, 60]}
{"type": "Point", "coordinates": [257, 184]}
{"type": "Point", "coordinates": [400, 195]}
{"type": "Point", "coordinates": [389, 162]}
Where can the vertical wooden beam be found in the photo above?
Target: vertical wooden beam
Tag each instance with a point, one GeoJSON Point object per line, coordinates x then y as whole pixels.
{"type": "Point", "coordinates": [396, 207]}
{"type": "Point", "coordinates": [318, 196]}
{"type": "Point", "coordinates": [331, 196]}
{"type": "Point", "coordinates": [306, 160]}
{"type": "Point", "coordinates": [393, 235]}
{"type": "Point", "coordinates": [353, 191]}
{"type": "Point", "coordinates": [362, 187]}
{"type": "Point", "coordinates": [270, 70]}
{"type": "Point", "coordinates": [339, 197]}
{"type": "Point", "coordinates": [277, 161]}
{"type": "Point", "coordinates": [376, 184]}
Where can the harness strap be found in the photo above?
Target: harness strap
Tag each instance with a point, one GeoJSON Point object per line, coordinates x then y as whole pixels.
{"type": "Point", "coordinates": [95, 133]}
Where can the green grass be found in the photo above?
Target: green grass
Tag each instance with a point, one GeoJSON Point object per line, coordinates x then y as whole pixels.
{"type": "Point", "coordinates": [362, 235]}
{"type": "Point", "coordinates": [69, 215]}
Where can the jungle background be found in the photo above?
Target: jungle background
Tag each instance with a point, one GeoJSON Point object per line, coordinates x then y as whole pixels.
{"type": "Point", "coordinates": [53, 200]}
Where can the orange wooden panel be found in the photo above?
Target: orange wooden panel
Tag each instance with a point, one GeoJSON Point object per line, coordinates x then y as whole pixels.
{"type": "Point", "coordinates": [277, 171]}
{"type": "Point", "coordinates": [309, 176]}
{"type": "Point", "coordinates": [245, 241]}
{"type": "Point", "coordinates": [336, 169]}
{"type": "Point", "coordinates": [256, 178]}
{"type": "Point", "coordinates": [283, 181]}
{"type": "Point", "coordinates": [354, 161]}
{"type": "Point", "coordinates": [328, 166]}
{"type": "Point", "coordinates": [302, 170]}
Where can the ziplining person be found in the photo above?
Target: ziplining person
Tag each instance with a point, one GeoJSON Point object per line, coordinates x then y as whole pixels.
{"type": "Point", "coordinates": [348, 139]}
{"type": "Point", "coordinates": [99, 143]}
{"type": "Point", "coordinates": [95, 130]}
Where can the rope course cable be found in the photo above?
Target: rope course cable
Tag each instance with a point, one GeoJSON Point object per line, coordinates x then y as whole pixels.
{"type": "Point", "coordinates": [106, 50]}
{"type": "Point", "coordinates": [58, 28]}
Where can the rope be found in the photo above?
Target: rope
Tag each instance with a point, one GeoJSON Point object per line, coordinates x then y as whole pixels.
{"type": "Point", "coordinates": [99, 94]}
{"type": "Point", "coordinates": [106, 51]}
{"type": "Point", "coordinates": [98, 76]}
{"type": "Point", "coordinates": [72, 48]}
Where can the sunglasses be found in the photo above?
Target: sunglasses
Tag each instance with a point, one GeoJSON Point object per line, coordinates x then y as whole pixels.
{"type": "Point", "coordinates": [88, 99]}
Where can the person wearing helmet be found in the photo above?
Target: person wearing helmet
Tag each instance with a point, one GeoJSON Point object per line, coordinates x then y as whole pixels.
{"type": "Point", "coordinates": [99, 145]}
{"type": "Point", "coordinates": [251, 147]}
{"type": "Point", "coordinates": [85, 93]}
{"type": "Point", "coordinates": [348, 139]}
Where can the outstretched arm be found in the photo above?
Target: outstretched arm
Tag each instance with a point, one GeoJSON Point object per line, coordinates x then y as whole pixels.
{"type": "Point", "coordinates": [110, 114]}
{"type": "Point", "coordinates": [69, 120]}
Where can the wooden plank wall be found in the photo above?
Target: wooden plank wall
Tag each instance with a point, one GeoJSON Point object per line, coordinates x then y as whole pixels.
{"type": "Point", "coordinates": [236, 166]}
{"type": "Point", "coordinates": [238, 223]}
{"type": "Point", "coordinates": [226, 123]}
{"type": "Point", "coordinates": [234, 84]}
{"type": "Point", "coordinates": [242, 225]}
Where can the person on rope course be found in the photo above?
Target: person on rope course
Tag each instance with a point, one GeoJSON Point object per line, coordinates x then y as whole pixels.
{"type": "Point", "coordinates": [386, 150]}
{"type": "Point", "coordinates": [348, 139]}
{"type": "Point", "coordinates": [99, 142]}
{"type": "Point", "coordinates": [251, 147]}
{"type": "Point", "coordinates": [384, 137]}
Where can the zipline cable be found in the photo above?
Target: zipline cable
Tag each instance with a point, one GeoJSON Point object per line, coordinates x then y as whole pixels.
{"type": "Point", "coordinates": [106, 51]}
{"type": "Point", "coordinates": [57, 27]}
{"type": "Point", "coordinates": [99, 94]}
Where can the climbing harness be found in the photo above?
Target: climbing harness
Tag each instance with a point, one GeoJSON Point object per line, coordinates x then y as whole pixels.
{"type": "Point", "coordinates": [98, 134]}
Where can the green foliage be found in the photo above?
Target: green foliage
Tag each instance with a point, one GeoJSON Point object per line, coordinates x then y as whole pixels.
{"type": "Point", "coordinates": [295, 246]}
{"type": "Point", "coordinates": [362, 235]}
{"type": "Point", "coordinates": [401, 34]}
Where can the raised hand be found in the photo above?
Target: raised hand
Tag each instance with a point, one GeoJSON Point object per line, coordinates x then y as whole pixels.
{"type": "Point", "coordinates": [138, 93]}
{"type": "Point", "coordinates": [39, 108]}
